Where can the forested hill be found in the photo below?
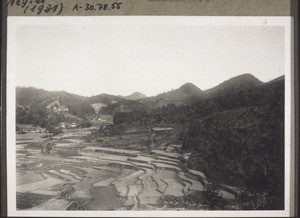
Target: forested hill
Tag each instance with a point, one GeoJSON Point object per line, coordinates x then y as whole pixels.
{"type": "Point", "coordinates": [39, 99]}
{"type": "Point", "coordinates": [231, 97]}
{"type": "Point", "coordinates": [178, 106]}
{"type": "Point", "coordinates": [235, 84]}
{"type": "Point", "coordinates": [32, 103]}
{"type": "Point", "coordinates": [237, 138]}
{"type": "Point", "coordinates": [181, 96]}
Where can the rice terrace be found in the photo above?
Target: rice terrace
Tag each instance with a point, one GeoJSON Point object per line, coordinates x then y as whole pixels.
{"type": "Point", "coordinates": [76, 175]}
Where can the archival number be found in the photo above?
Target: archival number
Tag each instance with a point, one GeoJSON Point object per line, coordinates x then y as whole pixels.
{"type": "Point", "coordinates": [98, 7]}
{"type": "Point", "coordinates": [37, 6]}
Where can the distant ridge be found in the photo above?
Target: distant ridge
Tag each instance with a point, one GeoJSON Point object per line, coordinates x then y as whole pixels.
{"type": "Point", "coordinates": [104, 103]}
{"type": "Point", "coordinates": [134, 96]}
{"type": "Point", "coordinates": [234, 84]}
{"type": "Point", "coordinates": [184, 91]}
{"type": "Point", "coordinates": [180, 96]}
{"type": "Point", "coordinates": [190, 89]}
{"type": "Point", "coordinates": [280, 78]}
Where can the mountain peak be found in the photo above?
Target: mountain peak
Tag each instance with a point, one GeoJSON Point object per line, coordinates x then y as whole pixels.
{"type": "Point", "coordinates": [182, 95]}
{"type": "Point", "coordinates": [246, 76]}
{"type": "Point", "coordinates": [244, 80]}
{"type": "Point", "coordinates": [236, 83]}
{"type": "Point", "coordinates": [280, 78]}
{"type": "Point", "coordinates": [189, 85]}
{"type": "Point", "coordinates": [190, 89]}
{"type": "Point", "coordinates": [135, 96]}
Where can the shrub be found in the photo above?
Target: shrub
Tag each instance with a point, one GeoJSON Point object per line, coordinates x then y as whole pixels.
{"type": "Point", "coordinates": [85, 124]}
{"type": "Point", "coordinates": [57, 131]}
{"type": "Point", "coordinates": [213, 196]}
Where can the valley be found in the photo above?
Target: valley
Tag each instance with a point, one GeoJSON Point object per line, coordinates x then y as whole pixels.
{"type": "Point", "coordinates": [78, 175]}
{"type": "Point", "coordinates": [185, 149]}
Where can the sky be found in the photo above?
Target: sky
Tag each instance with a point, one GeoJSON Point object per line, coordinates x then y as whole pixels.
{"type": "Point", "coordinates": [94, 58]}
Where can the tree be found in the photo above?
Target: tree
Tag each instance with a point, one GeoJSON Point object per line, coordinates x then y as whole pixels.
{"type": "Point", "coordinates": [213, 196]}
{"type": "Point", "coordinates": [57, 131]}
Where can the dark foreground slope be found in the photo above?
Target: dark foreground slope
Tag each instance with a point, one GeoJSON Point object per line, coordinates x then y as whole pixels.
{"type": "Point", "coordinates": [241, 141]}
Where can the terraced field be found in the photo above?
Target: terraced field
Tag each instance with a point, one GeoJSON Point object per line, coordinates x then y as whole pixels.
{"type": "Point", "coordinates": [76, 175]}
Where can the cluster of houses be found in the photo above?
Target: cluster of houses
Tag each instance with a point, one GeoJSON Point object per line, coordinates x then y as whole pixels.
{"type": "Point", "coordinates": [55, 107]}
{"type": "Point", "coordinates": [99, 119]}
{"type": "Point", "coordinates": [65, 125]}
{"type": "Point", "coordinates": [29, 129]}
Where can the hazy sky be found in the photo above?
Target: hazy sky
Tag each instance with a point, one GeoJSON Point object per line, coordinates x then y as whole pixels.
{"type": "Point", "coordinates": [121, 59]}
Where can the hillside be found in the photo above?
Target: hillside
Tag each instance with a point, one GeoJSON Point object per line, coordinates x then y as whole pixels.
{"type": "Point", "coordinates": [236, 136]}
{"type": "Point", "coordinates": [243, 147]}
{"type": "Point", "coordinates": [39, 98]}
{"type": "Point", "coordinates": [28, 95]}
{"type": "Point", "coordinates": [235, 84]}
{"type": "Point", "coordinates": [181, 105]}
{"type": "Point", "coordinates": [182, 95]}
{"type": "Point", "coordinates": [49, 108]}
{"type": "Point", "coordinates": [208, 104]}
{"type": "Point", "coordinates": [134, 96]}
{"type": "Point", "coordinates": [238, 139]}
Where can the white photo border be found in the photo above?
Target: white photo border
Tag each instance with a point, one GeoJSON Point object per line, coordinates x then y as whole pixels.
{"type": "Point", "coordinates": [286, 21]}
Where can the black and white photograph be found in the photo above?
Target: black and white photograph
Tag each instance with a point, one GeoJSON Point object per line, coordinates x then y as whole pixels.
{"type": "Point", "coordinates": [143, 115]}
